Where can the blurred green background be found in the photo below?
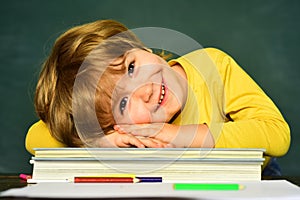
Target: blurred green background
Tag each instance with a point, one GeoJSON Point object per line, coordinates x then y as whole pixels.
{"type": "Point", "coordinates": [262, 36]}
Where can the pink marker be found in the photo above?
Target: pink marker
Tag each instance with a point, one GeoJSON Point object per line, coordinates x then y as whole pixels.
{"type": "Point", "coordinates": [24, 177]}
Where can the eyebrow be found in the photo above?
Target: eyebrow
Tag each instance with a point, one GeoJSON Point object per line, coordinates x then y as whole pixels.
{"type": "Point", "coordinates": [122, 58]}
{"type": "Point", "coordinates": [116, 63]}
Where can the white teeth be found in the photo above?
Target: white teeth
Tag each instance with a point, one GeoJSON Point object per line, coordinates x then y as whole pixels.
{"type": "Point", "coordinates": [162, 94]}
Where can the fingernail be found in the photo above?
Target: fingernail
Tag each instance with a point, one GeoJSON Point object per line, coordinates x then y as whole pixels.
{"type": "Point", "coordinates": [169, 145]}
{"type": "Point", "coordinates": [159, 145]}
{"type": "Point", "coordinates": [122, 130]}
{"type": "Point", "coordinates": [116, 127]}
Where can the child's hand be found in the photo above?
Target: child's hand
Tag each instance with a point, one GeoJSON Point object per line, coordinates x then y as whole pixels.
{"type": "Point", "coordinates": [166, 133]}
{"type": "Point", "coordinates": [116, 139]}
{"type": "Point", "coordinates": [173, 135]}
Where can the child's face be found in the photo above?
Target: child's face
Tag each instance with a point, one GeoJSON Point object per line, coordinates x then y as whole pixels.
{"type": "Point", "coordinates": [151, 91]}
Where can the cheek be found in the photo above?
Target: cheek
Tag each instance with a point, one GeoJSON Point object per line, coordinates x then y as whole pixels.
{"type": "Point", "coordinates": [139, 115]}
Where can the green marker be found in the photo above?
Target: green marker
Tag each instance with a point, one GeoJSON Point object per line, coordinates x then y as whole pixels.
{"type": "Point", "coordinates": [207, 186]}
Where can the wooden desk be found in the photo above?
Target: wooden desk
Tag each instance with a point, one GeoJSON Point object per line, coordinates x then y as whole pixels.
{"type": "Point", "coordinates": [11, 181]}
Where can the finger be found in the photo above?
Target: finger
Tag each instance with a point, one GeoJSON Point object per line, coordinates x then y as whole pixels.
{"type": "Point", "coordinates": [130, 140]}
{"type": "Point", "coordinates": [170, 145]}
{"type": "Point", "coordinates": [119, 129]}
{"type": "Point", "coordinates": [145, 130]}
{"type": "Point", "coordinates": [152, 143]}
{"type": "Point", "coordinates": [160, 143]}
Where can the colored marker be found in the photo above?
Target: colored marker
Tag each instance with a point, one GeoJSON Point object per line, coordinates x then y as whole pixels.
{"type": "Point", "coordinates": [207, 186]}
{"type": "Point", "coordinates": [25, 177]}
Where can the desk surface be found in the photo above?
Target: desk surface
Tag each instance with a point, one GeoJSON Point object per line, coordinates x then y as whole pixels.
{"type": "Point", "coordinates": [13, 181]}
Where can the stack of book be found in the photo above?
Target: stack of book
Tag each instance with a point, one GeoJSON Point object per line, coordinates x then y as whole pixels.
{"type": "Point", "coordinates": [172, 164]}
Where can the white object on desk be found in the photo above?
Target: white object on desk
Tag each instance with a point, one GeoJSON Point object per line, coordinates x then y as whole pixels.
{"type": "Point", "coordinates": [271, 189]}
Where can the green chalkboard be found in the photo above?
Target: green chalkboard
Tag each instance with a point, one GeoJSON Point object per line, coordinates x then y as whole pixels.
{"type": "Point", "coordinates": [263, 36]}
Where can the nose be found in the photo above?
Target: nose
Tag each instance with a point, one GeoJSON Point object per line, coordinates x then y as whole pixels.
{"type": "Point", "coordinates": [144, 92]}
{"type": "Point", "coordinates": [141, 104]}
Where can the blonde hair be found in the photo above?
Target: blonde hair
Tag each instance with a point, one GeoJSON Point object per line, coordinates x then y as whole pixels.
{"type": "Point", "coordinates": [88, 44]}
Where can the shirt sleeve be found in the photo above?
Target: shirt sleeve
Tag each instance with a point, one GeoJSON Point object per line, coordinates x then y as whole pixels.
{"type": "Point", "coordinates": [39, 136]}
{"type": "Point", "coordinates": [253, 120]}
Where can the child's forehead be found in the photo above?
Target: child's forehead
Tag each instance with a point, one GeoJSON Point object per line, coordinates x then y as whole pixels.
{"type": "Point", "coordinates": [121, 55]}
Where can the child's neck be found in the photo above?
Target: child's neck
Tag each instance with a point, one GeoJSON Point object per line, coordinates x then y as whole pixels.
{"type": "Point", "coordinates": [179, 69]}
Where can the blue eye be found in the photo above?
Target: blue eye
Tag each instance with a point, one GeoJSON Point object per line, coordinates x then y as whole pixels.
{"type": "Point", "coordinates": [130, 69]}
{"type": "Point", "coordinates": [123, 104]}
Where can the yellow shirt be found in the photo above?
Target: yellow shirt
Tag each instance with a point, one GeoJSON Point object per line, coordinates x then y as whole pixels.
{"type": "Point", "coordinates": [222, 95]}
{"type": "Point", "coordinates": [238, 113]}
{"type": "Point", "coordinates": [39, 136]}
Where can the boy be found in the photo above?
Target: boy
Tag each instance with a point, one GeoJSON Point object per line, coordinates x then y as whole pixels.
{"type": "Point", "coordinates": [101, 74]}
